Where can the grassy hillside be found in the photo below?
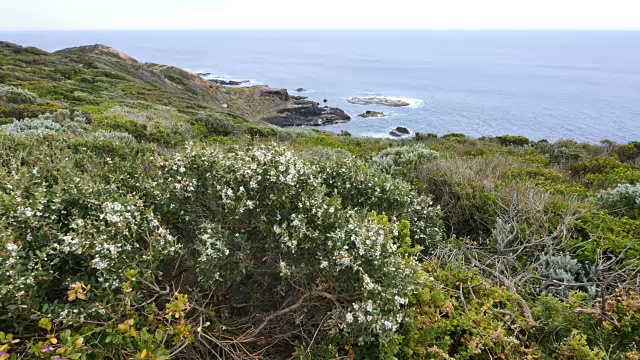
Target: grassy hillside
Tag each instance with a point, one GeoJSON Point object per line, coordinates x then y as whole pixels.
{"type": "Point", "coordinates": [142, 219]}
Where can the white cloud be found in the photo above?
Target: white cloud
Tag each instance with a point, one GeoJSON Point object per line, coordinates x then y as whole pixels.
{"type": "Point", "coordinates": [321, 14]}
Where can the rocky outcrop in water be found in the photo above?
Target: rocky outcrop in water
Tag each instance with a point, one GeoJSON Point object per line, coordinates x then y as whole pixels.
{"type": "Point", "coordinates": [399, 132]}
{"type": "Point", "coordinates": [372, 114]}
{"type": "Point", "coordinates": [377, 100]}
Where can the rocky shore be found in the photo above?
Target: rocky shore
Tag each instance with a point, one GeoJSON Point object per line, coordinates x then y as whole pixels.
{"type": "Point", "coordinates": [229, 82]}
{"type": "Point", "coordinates": [298, 111]}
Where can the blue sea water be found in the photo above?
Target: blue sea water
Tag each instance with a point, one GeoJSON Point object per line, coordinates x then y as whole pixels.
{"type": "Point", "coordinates": [583, 85]}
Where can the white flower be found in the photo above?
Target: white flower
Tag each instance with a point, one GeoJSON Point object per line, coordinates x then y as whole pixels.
{"type": "Point", "coordinates": [11, 247]}
{"type": "Point", "coordinates": [349, 317]}
{"type": "Point", "coordinates": [400, 300]}
{"type": "Point", "coordinates": [389, 325]}
{"type": "Point", "coordinates": [284, 270]}
{"type": "Point", "coordinates": [324, 264]}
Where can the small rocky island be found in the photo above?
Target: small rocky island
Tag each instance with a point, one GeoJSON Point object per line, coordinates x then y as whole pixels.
{"type": "Point", "coordinates": [372, 114]}
{"type": "Point", "coordinates": [399, 132]}
{"type": "Point", "coordinates": [377, 100]}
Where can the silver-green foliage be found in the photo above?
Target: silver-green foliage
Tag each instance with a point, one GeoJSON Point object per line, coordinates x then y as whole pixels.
{"type": "Point", "coordinates": [623, 200]}
{"type": "Point", "coordinates": [400, 160]}
{"type": "Point", "coordinates": [113, 135]}
{"type": "Point", "coordinates": [60, 121]}
{"type": "Point", "coordinates": [17, 96]}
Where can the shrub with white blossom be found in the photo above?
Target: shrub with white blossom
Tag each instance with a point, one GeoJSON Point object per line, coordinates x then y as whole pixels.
{"type": "Point", "coordinates": [265, 223]}
{"type": "Point", "coordinates": [269, 243]}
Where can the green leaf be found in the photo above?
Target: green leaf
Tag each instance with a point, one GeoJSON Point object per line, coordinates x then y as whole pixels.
{"type": "Point", "coordinates": [45, 323]}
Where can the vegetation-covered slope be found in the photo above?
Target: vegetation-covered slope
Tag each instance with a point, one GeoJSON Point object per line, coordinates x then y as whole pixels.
{"type": "Point", "coordinates": [140, 219]}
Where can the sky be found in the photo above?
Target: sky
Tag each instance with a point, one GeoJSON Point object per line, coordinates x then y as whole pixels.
{"type": "Point", "coordinates": [318, 14]}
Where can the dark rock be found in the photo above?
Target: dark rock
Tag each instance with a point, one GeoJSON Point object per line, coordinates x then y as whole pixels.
{"type": "Point", "coordinates": [300, 90]}
{"type": "Point", "coordinates": [228, 82]}
{"type": "Point", "coordinates": [403, 130]}
{"type": "Point", "coordinates": [372, 114]}
{"type": "Point", "coordinates": [377, 100]}
{"type": "Point", "coordinates": [203, 74]}
{"type": "Point", "coordinates": [281, 94]}
{"type": "Point", "coordinates": [308, 113]}
{"type": "Point", "coordinates": [325, 101]}
{"type": "Point", "coordinates": [293, 97]}
{"type": "Point", "coordinates": [399, 132]}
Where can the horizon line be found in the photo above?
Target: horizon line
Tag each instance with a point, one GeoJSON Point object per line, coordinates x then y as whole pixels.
{"type": "Point", "coordinates": [329, 29]}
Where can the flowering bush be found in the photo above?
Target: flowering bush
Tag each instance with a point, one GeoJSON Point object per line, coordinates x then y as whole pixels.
{"type": "Point", "coordinates": [92, 229]}
{"type": "Point", "coordinates": [60, 227]}
{"type": "Point", "coordinates": [271, 225]}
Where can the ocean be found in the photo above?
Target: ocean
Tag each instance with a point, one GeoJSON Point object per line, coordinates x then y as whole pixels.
{"type": "Point", "coordinates": [583, 85]}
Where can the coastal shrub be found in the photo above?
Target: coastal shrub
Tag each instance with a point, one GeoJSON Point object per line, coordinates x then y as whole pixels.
{"type": "Point", "coordinates": [276, 227]}
{"type": "Point", "coordinates": [454, 136]}
{"type": "Point", "coordinates": [20, 127]}
{"type": "Point", "coordinates": [262, 131]}
{"type": "Point", "coordinates": [80, 250]}
{"type": "Point", "coordinates": [14, 95]}
{"type": "Point", "coordinates": [466, 189]}
{"type": "Point", "coordinates": [402, 160]}
{"type": "Point", "coordinates": [22, 111]}
{"type": "Point", "coordinates": [623, 200]}
{"type": "Point", "coordinates": [163, 124]}
{"type": "Point", "coordinates": [363, 148]}
{"type": "Point", "coordinates": [88, 242]}
{"type": "Point", "coordinates": [458, 315]}
{"type": "Point", "coordinates": [113, 136]}
{"type": "Point", "coordinates": [565, 153]}
{"type": "Point", "coordinates": [629, 152]}
{"type": "Point", "coordinates": [60, 121]}
{"type": "Point", "coordinates": [513, 140]}
{"type": "Point", "coordinates": [380, 192]}
{"type": "Point", "coordinates": [218, 124]}
{"type": "Point", "coordinates": [141, 131]}
{"type": "Point", "coordinates": [595, 165]}
{"type": "Point", "coordinates": [621, 175]}
{"type": "Point", "coordinates": [420, 136]}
